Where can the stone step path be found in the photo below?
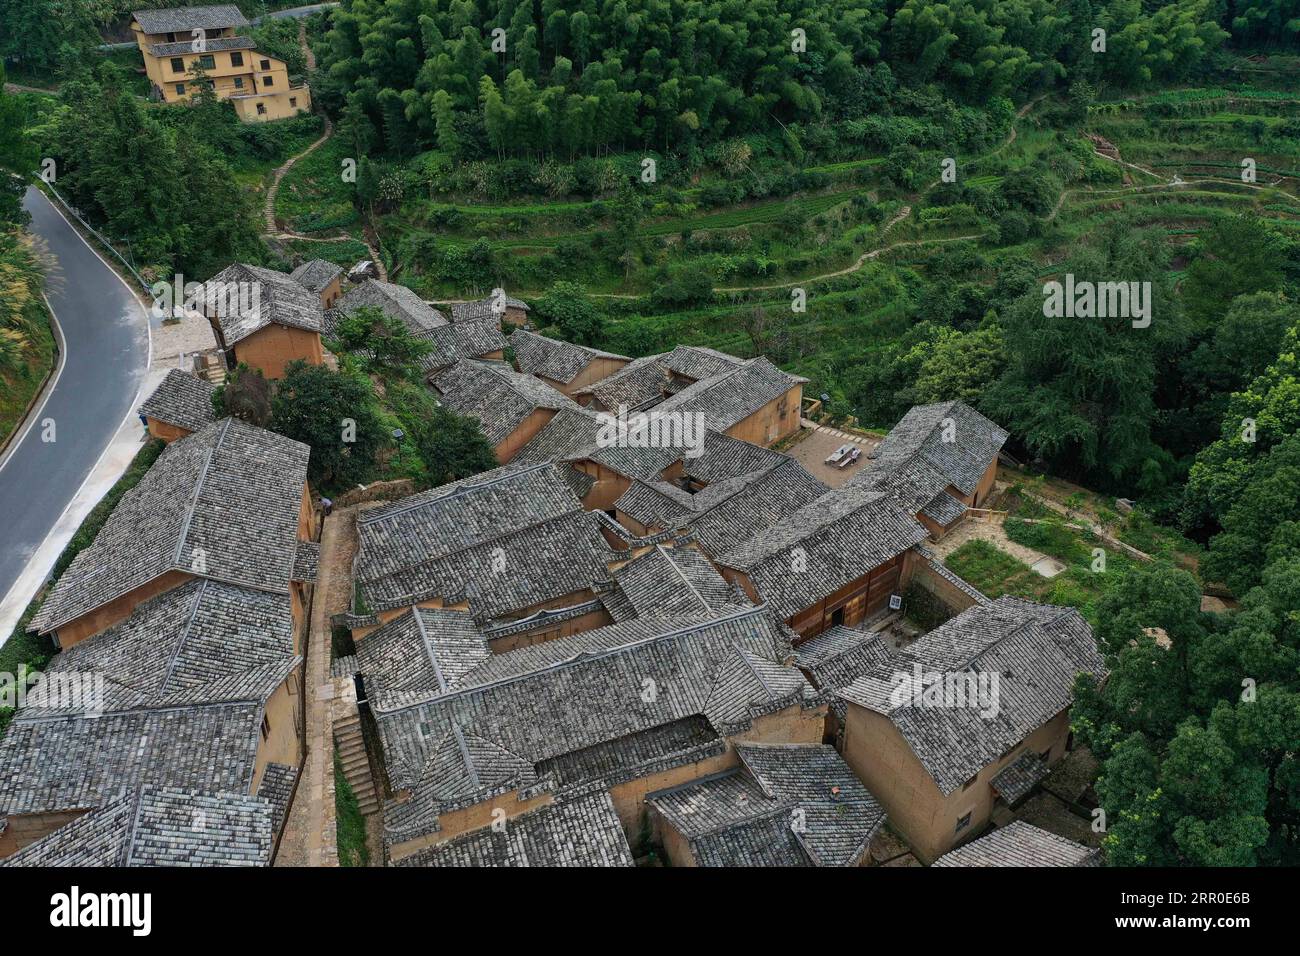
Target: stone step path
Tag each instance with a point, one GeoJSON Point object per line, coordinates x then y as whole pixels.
{"type": "Point", "coordinates": [866, 441]}
{"type": "Point", "coordinates": [356, 765]}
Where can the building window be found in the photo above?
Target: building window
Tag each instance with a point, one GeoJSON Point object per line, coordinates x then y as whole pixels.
{"type": "Point", "coordinates": [266, 732]}
{"type": "Point", "coordinates": [178, 65]}
{"type": "Point", "coordinates": [239, 82]}
{"type": "Point", "coordinates": [266, 80]}
{"type": "Point", "coordinates": [261, 109]}
{"type": "Point", "coordinates": [180, 89]}
{"type": "Point", "coordinates": [969, 783]}
{"type": "Point", "coordinates": [963, 823]}
{"type": "Point", "coordinates": [208, 62]}
{"type": "Point", "coordinates": [266, 64]}
{"type": "Point", "coordinates": [236, 59]}
{"type": "Point", "coordinates": [293, 101]}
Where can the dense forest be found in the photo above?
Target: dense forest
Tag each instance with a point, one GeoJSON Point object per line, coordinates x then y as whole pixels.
{"type": "Point", "coordinates": [674, 75]}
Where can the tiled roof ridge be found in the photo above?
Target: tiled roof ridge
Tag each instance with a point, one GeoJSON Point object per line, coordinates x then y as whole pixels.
{"type": "Point", "coordinates": [433, 657]}
{"type": "Point", "coordinates": [682, 574]}
{"type": "Point", "coordinates": [376, 515]}
{"type": "Point", "coordinates": [198, 489]}
{"type": "Point", "coordinates": [464, 751]}
{"type": "Point", "coordinates": [185, 633]}
{"type": "Point", "coordinates": [455, 597]}
{"type": "Point", "coordinates": [584, 656]}
{"type": "Point", "coordinates": [749, 664]}
{"type": "Point", "coordinates": [141, 709]}
{"type": "Point", "coordinates": [138, 805]}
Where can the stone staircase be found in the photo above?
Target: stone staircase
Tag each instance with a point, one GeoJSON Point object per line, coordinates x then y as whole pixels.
{"type": "Point", "coordinates": [352, 753]}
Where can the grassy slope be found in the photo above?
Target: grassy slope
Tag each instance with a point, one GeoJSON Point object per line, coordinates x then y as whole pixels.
{"type": "Point", "coordinates": [349, 823]}
{"type": "Point", "coordinates": [18, 387]}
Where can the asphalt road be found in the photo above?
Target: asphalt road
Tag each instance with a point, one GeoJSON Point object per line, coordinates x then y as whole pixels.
{"type": "Point", "coordinates": [105, 343]}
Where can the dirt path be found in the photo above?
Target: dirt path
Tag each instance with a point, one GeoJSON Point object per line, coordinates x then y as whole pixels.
{"type": "Point", "coordinates": [273, 191]}
{"type": "Point", "coordinates": [990, 531]}
{"type": "Point", "coordinates": [866, 257]}
{"type": "Point", "coordinates": [268, 209]}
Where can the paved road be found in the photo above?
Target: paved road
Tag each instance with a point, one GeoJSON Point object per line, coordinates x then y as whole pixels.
{"type": "Point", "coordinates": [105, 344]}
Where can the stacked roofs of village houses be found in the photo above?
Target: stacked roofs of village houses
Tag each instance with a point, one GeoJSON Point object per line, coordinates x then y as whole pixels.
{"type": "Point", "coordinates": [451, 342]}
{"type": "Point", "coordinates": [267, 319]}
{"type": "Point", "coordinates": [604, 636]}
{"type": "Point", "coordinates": [611, 634]}
{"type": "Point", "coordinates": [166, 732]}
{"type": "Point", "coordinates": [938, 461]}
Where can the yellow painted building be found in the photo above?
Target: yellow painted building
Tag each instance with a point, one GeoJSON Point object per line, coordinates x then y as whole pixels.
{"type": "Point", "coordinates": [186, 47]}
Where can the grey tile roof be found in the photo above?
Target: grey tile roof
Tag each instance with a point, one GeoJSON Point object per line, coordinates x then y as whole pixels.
{"type": "Point", "coordinates": [838, 538]}
{"type": "Point", "coordinates": [213, 45]}
{"type": "Point", "coordinates": [498, 397]}
{"type": "Point", "coordinates": [840, 655]}
{"type": "Point", "coordinates": [579, 832]}
{"type": "Point", "coordinates": [306, 561]}
{"type": "Point", "coordinates": [507, 575]}
{"type": "Point", "coordinates": [640, 384]}
{"type": "Point", "coordinates": [727, 457]}
{"type": "Point", "coordinates": [181, 399]}
{"type": "Point", "coordinates": [697, 362]}
{"type": "Point", "coordinates": [597, 687]}
{"type": "Point", "coordinates": [463, 340]}
{"type": "Point", "coordinates": [730, 511]}
{"type": "Point", "coordinates": [567, 436]}
{"type": "Point", "coordinates": [555, 359]}
{"type": "Point", "coordinates": [733, 395]}
{"type": "Point", "coordinates": [787, 805]}
{"type": "Point", "coordinates": [671, 581]}
{"type": "Point", "coordinates": [221, 503]}
{"type": "Point", "coordinates": [203, 642]}
{"type": "Point", "coordinates": [280, 301]}
{"type": "Point", "coordinates": [424, 651]}
{"type": "Point", "coordinates": [1021, 844]}
{"type": "Point", "coordinates": [972, 444]}
{"type": "Point", "coordinates": [638, 754]}
{"type": "Point", "coordinates": [646, 381]}
{"type": "Point", "coordinates": [505, 540]}
{"type": "Point", "coordinates": [277, 786]}
{"type": "Point", "coordinates": [174, 19]}
{"type": "Point", "coordinates": [396, 300]}
{"type": "Point", "coordinates": [315, 274]}
{"type": "Point", "coordinates": [1035, 650]}
{"type": "Point", "coordinates": [482, 309]}
{"type": "Point", "coordinates": [51, 764]}
{"type": "Point", "coordinates": [1017, 778]}
{"type": "Point", "coordinates": [161, 826]}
